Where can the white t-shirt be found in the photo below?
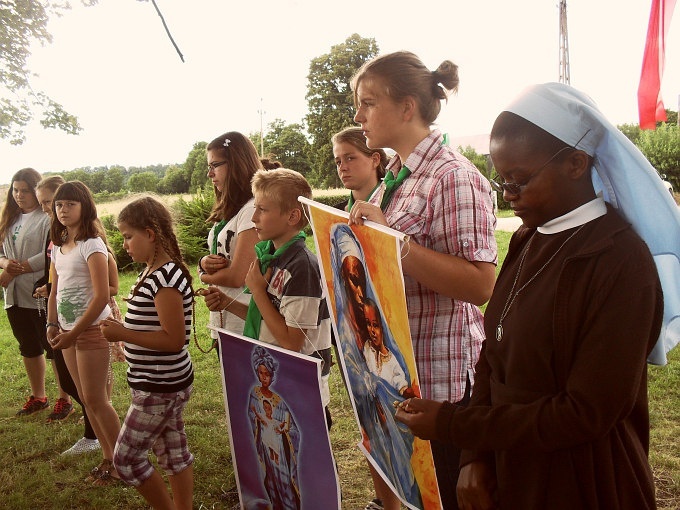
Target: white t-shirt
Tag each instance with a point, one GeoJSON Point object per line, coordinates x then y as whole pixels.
{"type": "Point", "coordinates": [16, 228]}
{"type": "Point", "coordinates": [226, 244]}
{"type": "Point", "coordinates": [74, 287]}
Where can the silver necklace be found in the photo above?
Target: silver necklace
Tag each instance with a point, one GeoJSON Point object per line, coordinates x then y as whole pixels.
{"type": "Point", "coordinates": [511, 296]}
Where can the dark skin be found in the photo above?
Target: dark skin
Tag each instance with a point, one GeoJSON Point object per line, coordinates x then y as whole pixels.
{"type": "Point", "coordinates": [558, 188]}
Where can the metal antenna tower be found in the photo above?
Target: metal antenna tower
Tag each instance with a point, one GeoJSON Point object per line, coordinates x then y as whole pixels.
{"type": "Point", "coordinates": [564, 44]}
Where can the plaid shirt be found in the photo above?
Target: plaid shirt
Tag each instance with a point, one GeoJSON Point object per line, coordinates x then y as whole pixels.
{"type": "Point", "coordinates": [444, 205]}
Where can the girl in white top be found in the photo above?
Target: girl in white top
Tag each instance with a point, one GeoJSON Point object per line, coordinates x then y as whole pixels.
{"type": "Point", "coordinates": [232, 162]}
{"type": "Point", "coordinates": [80, 277]}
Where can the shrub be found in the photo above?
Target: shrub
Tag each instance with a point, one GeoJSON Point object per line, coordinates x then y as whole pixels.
{"type": "Point", "coordinates": [115, 240]}
{"type": "Point", "coordinates": [331, 200]}
{"type": "Point", "coordinates": [192, 229]}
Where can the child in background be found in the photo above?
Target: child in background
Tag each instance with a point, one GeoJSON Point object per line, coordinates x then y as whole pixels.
{"type": "Point", "coordinates": [156, 333]}
{"type": "Point", "coordinates": [288, 307]}
{"type": "Point", "coordinates": [45, 191]}
{"type": "Point", "coordinates": [79, 273]}
{"type": "Point", "coordinates": [24, 230]}
{"type": "Point", "coordinates": [232, 162]}
{"type": "Point", "coordinates": [359, 168]}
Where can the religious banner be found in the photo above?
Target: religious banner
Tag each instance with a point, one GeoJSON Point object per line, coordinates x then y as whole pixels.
{"type": "Point", "coordinates": [361, 271]}
{"type": "Point", "coordinates": [279, 440]}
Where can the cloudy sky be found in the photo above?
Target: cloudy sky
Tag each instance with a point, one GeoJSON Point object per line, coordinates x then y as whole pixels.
{"type": "Point", "coordinates": [115, 68]}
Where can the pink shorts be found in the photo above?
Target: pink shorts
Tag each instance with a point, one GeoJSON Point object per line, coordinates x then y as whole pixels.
{"type": "Point", "coordinates": [91, 339]}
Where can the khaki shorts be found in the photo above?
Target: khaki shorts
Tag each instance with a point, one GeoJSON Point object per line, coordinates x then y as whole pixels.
{"type": "Point", "coordinates": [91, 339]}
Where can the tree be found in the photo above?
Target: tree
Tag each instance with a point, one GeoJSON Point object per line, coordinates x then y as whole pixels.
{"type": "Point", "coordinates": [479, 160]}
{"type": "Point", "coordinates": [143, 181]}
{"type": "Point", "coordinates": [632, 131]}
{"type": "Point", "coordinates": [289, 145]}
{"type": "Point", "coordinates": [196, 166]}
{"type": "Point", "coordinates": [662, 148]}
{"type": "Point", "coordinates": [83, 175]}
{"type": "Point", "coordinates": [114, 179]}
{"type": "Point", "coordinates": [174, 181]}
{"type": "Point", "coordinates": [331, 103]}
{"type": "Point", "coordinates": [24, 22]}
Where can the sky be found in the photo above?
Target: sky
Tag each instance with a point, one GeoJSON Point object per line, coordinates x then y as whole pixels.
{"type": "Point", "coordinates": [246, 64]}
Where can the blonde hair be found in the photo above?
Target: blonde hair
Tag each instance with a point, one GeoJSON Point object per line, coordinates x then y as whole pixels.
{"type": "Point", "coordinates": [283, 186]}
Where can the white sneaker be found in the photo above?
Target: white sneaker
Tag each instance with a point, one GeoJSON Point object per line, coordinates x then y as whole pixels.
{"type": "Point", "coordinates": [83, 445]}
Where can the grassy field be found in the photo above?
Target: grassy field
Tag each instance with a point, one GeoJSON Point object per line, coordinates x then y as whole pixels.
{"type": "Point", "coordinates": [34, 475]}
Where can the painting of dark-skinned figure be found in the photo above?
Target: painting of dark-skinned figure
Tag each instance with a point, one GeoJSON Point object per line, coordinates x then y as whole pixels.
{"type": "Point", "coordinates": [361, 269]}
{"type": "Point", "coordinates": [280, 445]}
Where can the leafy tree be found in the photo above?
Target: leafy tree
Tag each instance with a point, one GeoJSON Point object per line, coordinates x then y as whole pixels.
{"type": "Point", "coordinates": [25, 22]}
{"type": "Point", "coordinates": [632, 131]}
{"type": "Point", "coordinates": [479, 160]}
{"type": "Point", "coordinates": [114, 179]}
{"type": "Point", "coordinates": [174, 181]}
{"type": "Point", "coordinates": [143, 181]}
{"type": "Point", "coordinates": [331, 103]}
{"type": "Point", "coordinates": [662, 148]}
{"type": "Point", "coordinates": [254, 136]}
{"type": "Point", "coordinates": [196, 166]}
{"type": "Point", "coordinates": [289, 145]}
{"type": "Point", "coordinates": [83, 175]}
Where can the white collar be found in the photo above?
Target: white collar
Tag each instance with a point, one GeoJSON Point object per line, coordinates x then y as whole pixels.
{"type": "Point", "coordinates": [575, 218]}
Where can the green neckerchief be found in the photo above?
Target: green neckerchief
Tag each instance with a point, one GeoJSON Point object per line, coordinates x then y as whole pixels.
{"type": "Point", "coordinates": [216, 232]}
{"type": "Point", "coordinates": [263, 249]}
{"type": "Point", "coordinates": [350, 202]}
{"type": "Point", "coordinates": [391, 184]}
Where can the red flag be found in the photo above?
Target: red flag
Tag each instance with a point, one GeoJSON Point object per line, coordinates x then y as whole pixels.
{"type": "Point", "coordinates": [650, 104]}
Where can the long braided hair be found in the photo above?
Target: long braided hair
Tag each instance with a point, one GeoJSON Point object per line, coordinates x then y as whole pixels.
{"type": "Point", "coordinates": [148, 212]}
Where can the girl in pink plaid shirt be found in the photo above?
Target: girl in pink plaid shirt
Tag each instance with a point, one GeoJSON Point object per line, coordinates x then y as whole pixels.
{"type": "Point", "coordinates": [443, 203]}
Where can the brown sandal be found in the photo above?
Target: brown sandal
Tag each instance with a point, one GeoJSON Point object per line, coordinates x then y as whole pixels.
{"type": "Point", "coordinates": [96, 471]}
{"type": "Point", "coordinates": [108, 476]}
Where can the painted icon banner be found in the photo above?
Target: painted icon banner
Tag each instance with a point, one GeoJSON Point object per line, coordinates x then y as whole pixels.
{"type": "Point", "coordinates": [361, 271]}
{"type": "Point", "coordinates": [280, 447]}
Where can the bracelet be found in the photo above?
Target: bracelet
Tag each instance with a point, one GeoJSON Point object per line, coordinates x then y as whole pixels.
{"type": "Point", "coordinates": [51, 325]}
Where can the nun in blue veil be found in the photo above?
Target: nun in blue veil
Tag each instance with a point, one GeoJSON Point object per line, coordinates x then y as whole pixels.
{"type": "Point", "coordinates": [624, 178]}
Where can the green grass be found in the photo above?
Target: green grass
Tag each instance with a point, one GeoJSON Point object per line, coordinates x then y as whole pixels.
{"type": "Point", "coordinates": [33, 475]}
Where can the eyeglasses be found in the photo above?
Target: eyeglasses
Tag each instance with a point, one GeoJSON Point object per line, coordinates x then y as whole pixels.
{"type": "Point", "coordinates": [515, 189]}
{"type": "Point", "coordinates": [213, 166]}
